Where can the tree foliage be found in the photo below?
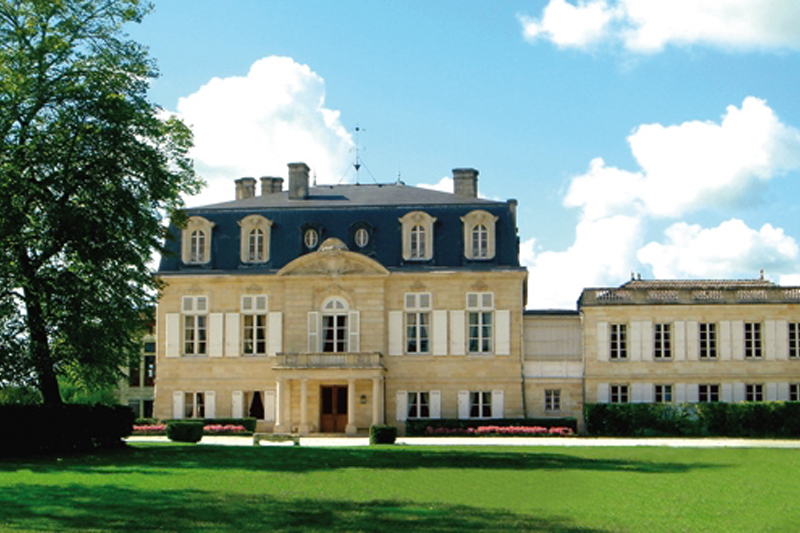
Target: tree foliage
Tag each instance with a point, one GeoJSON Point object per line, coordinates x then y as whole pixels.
{"type": "Point", "coordinates": [89, 170]}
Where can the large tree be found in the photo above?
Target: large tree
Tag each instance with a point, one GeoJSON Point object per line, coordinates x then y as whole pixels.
{"type": "Point", "coordinates": [89, 169]}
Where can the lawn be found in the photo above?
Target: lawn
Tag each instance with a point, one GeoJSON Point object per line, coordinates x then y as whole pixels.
{"type": "Point", "coordinates": [187, 487]}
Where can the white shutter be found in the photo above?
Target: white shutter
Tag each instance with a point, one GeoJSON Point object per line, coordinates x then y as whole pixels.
{"type": "Point", "coordinates": [637, 392]}
{"type": "Point", "coordinates": [177, 404]}
{"type": "Point", "coordinates": [692, 394]}
{"type": "Point", "coordinates": [635, 341]}
{"type": "Point", "coordinates": [211, 404]}
{"type": "Point", "coordinates": [680, 393]}
{"type": "Point", "coordinates": [679, 344]}
{"type": "Point", "coordinates": [724, 341]}
{"type": "Point", "coordinates": [354, 329]}
{"type": "Point", "coordinates": [782, 342]}
{"type": "Point", "coordinates": [395, 333]}
{"type": "Point", "coordinates": [502, 341]}
{"type": "Point", "coordinates": [647, 340]}
{"type": "Point", "coordinates": [783, 392]}
{"type": "Point", "coordinates": [693, 340]}
{"type": "Point", "coordinates": [269, 405]}
{"type": "Point", "coordinates": [726, 394]}
{"type": "Point", "coordinates": [772, 392]}
{"type": "Point", "coordinates": [457, 331]}
{"type": "Point", "coordinates": [275, 333]}
{"type": "Point", "coordinates": [602, 341]}
{"type": "Point", "coordinates": [313, 332]}
{"type": "Point", "coordinates": [738, 391]}
{"type": "Point", "coordinates": [769, 341]}
{"type": "Point", "coordinates": [232, 334]}
{"type": "Point", "coordinates": [237, 404]}
{"type": "Point", "coordinates": [435, 399]}
{"type": "Point", "coordinates": [173, 326]}
{"type": "Point", "coordinates": [737, 334]}
{"type": "Point", "coordinates": [402, 405]}
{"type": "Point", "coordinates": [602, 393]}
{"type": "Point", "coordinates": [463, 404]}
{"type": "Point", "coordinates": [648, 393]}
{"type": "Point", "coordinates": [440, 333]}
{"type": "Point", "coordinates": [215, 334]}
{"type": "Point", "coordinates": [498, 404]}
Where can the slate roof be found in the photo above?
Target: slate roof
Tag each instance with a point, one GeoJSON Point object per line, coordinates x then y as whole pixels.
{"type": "Point", "coordinates": [697, 284]}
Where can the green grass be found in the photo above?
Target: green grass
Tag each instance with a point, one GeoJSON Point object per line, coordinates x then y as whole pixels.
{"type": "Point", "coordinates": [185, 487]}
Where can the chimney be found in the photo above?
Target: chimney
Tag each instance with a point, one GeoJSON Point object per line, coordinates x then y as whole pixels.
{"type": "Point", "coordinates": [298, 181]}
{"type": "Point", "coordinates": [270, 185]}
{"type": "Point", "coordinates": [465, 182]}
{"type": "Point", "coordinates": [245, 188]}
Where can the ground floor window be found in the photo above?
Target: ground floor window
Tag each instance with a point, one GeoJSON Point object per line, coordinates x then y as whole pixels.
{"type": "Point", "coordinates": [480, 404]}
{"type": "Point", "coordinates": [552, 400]}
{"type": "Point", "coordinates": [194, 405]}
{"type": "Point", "coordinates": [255, 405]}
{"type": "Point", "coordinates": [754, 393]}
{"type": "Point", "coordinates": [708, 393]}
{"type": "Point", "coordinates": [663, 393]}
{"type": "Point", "coordinates": [419, 405]}
{"type": "Point", "coordinates": [619, 393]}
{"type": "Point", "coordinates": [794, 392]}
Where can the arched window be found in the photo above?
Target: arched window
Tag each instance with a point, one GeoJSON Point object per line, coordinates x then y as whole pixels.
{"type": "Point", "coordinates": [480, 241]}
{"type": "Point", "coordinates": [417, 236]}
{"type": "Point", "coordinates": [196, 245]}
{"type": "Point", "coordinates": [311, 238]}
{"type": "Point", "coordinates": [334, 326]}
{"type": "Point", "coordinates": [361, 237]}
{"type": "Point", "coordinates": [197, 250]}
{"type": "Point", "coordinates": [256, 246]}
{"type": "Point", "coordinates": [479, 235]}
{"type": "Point", "coordinates": [418, 242]}
{"type": "Point", "coordinates": [255, 238]}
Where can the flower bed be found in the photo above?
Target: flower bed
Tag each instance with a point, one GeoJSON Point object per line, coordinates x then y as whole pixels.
{"type": "Point", "coordinates": [210, 429]}
{"type": "Point", "coordinates": [493, 431]}
{"type": "Point", "coordinates": [150, 429]}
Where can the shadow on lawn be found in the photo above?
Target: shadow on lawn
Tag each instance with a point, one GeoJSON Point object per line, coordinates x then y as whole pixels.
{"type": "Point", "coordinates": [157, 459]}
{"type": "Point", "coordinates": [80, 507]}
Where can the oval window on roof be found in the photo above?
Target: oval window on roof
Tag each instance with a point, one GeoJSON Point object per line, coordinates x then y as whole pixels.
{"type": "Point", "coordinates": [361, 237]}
{"type": "Point", "coordinates": [311, 238]}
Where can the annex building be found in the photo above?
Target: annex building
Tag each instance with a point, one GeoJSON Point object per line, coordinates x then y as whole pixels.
{"type": "Point", "coordinates": [329, 309]}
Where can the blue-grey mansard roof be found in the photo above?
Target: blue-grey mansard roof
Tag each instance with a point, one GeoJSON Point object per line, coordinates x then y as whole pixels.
{"type": "Point", "coordinates": [338, 211]}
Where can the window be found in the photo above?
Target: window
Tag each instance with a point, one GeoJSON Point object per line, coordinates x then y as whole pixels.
{"type": "Point", "coordinates": [479, 235]}
{"type": "Point", "coordinates": [196, 245]}
{"type": "Point", "coordinates": [794, 392]}
{"type": "Point", "coordinates": [418, 322]}
{"type": "Point", "coordinates": [334, 326]}
{"type": "Point", "coordinates": [708, 340]}
{"type": "Point", "coordinates": [480, 307]}
{"type": "Point", "coordinates": [418, 405]}
{"type": "Point", "coordinates": [619, 393]}
{"type": "Point", "coordinates": [663, 393]}
{"type": "Point", "coordinates": [662, 345]}
{"type": "Point", "coordinates": [361, 237]}
{"type": "Point", "coordinates": [480, 404]}
{"type": "Point", "coordinates": [552, 400]}
{"type": "Point", "coordinates": [794, 340]}
{"type": "Point", "coordinates": [194, 405]}
{"type": "Point", "coordinates": [311, 238]}
{"type": "Point", "coordinates": [754, 393]}
{"type": "Point", "coordinates": [134, 376]}
{"type": "Point", "coordinates": [708, 393]}
{"type": "Point", "coordinates": [417, 236]}
{"type": "Point", "coordinates": [255, 239]}
{"type": "Point", "coordinates": [254, 324]}
{"type": "Point", "coordinates": [149, 370]}
{"type": "Point", "coordinates": [618, 348]}
{"type": "Point", "coordinates": [752, 340]}
{"type": "Point", "coordinates": [195, 324]}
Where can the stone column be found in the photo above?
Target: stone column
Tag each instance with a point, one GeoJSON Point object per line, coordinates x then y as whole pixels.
{"type": "Point", "coordinates": [280, 404]}
{"type": "Point", "coordinates": [350, 430]}
{"type": "Point", "coordinates": [377, 401]}
{"type": "Point", "coordinates": [303, 429]}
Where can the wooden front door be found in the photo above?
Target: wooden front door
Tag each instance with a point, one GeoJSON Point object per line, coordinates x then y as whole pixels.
{"type": "Point", "coordinates": [333, 411]}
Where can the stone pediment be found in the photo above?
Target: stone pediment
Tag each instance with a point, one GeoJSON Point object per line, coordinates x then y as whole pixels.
{"type": "Point", "coordinates": [333, 259]}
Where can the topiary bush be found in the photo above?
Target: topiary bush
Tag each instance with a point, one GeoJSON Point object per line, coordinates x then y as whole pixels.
{"type": "Point", "coordinates": [185, 430]}
{"type": "Point", "coordinates": [381, 434]}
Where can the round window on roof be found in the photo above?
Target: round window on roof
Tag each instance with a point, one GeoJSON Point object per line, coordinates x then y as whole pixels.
{"type": "Point", "coordinates": [311, 238]}
{"type": "Point", "coordinates": [362, 237]}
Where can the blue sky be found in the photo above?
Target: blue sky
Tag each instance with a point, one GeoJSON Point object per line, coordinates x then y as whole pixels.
{"type": "Point", "coordinates": [653, 136]}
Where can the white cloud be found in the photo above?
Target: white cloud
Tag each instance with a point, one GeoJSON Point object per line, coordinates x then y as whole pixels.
{"type": "Point", "coordinates": [255, 125]}
{"type": "Point", "coordinates": [683, 169]}
{"type": "Point", "coordinates": [731, 249]}
{"type": "Point", "coordinates": [444, 185]}
{"type": "Point", "coordinates": [648, 26]}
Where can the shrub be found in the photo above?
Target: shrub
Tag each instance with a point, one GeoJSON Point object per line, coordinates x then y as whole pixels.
{"type": "Point", "coordinates": [248, 423]}
{"type": "Point", "coordinates": [453, 426]}
{"type": "Point", "coordinates": [380, 434]}
{"type": "Point", "coordinates": [185, 430]}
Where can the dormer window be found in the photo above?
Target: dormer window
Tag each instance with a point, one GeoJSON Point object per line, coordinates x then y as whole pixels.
{"type": "Point", "coordinates": [255, 237]}
{"type": "Point", "coordinates": [417, 236]}
{"type": "Point", "coordinates": [361, 237]}
{"type": "Point", "coordinates": [196, 248]}
{"type": "Point", "coordinates": [311, 238]}
{"type": "Point", "coordinates": [479, 235]}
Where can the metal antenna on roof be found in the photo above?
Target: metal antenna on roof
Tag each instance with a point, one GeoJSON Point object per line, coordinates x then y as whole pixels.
{"type": "Point", "coordinates": [358, 163]}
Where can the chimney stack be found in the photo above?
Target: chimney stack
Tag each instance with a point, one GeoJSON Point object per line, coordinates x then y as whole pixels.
{"type": "Point", "coordinates": [270, 185]}
{"type": "Point", "coordinates": [298, 181]}
{"type": "Point", "coordinates": [465, 182]}
{"type": "Point", "coordinates": [245, 188]}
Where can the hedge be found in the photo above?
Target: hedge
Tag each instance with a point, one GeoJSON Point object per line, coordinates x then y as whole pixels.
{"type": "Point", "coordinates": [248, 423]}
{"type": "Point", "coordinates": [417, 427]}
{"type": "Point", "coordinates": [32, 429]}
{"type": "Point", "coordinates": [382, 434]}
{"type": "Point", "coordinates": [719, 419]}
{"type": "Point", "coordinates": [185, 430]}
